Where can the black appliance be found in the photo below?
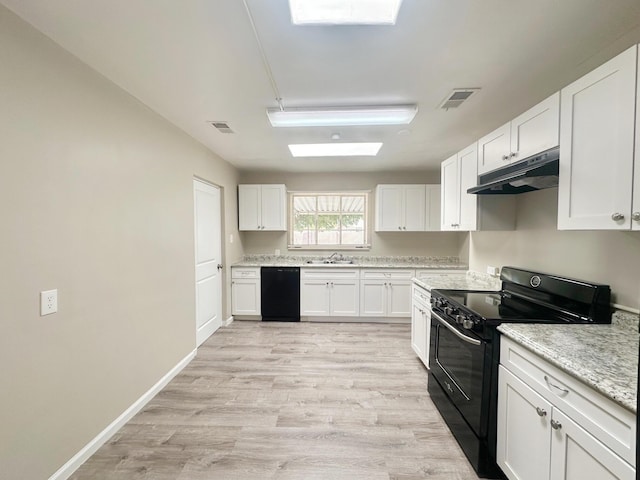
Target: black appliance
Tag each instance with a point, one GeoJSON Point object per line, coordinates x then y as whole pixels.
{"type": "Point", "coordinates": [533, 173]}
{"type": "Point", "coordinates": [280, 294]}
{"type": "Point", "coordinates": [465, 347]}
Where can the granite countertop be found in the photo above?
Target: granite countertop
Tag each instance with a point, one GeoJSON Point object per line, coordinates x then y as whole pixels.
{"type": "Point", "coordinates": [458, 281]}
{"type": "Point", "coordinates": [605, 357]}
{"type": "Point", "coordinates": [359, 261]}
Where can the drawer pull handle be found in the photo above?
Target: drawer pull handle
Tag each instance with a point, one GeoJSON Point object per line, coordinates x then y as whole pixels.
{"type": "Point", "coordinates": [556, 425]}
{"type": "Point", "coordinates": [541, 412]}
{"type": "Point", "coordinates": [557, 387]}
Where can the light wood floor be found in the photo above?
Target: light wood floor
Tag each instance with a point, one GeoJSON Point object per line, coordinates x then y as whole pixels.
{"type": "Point", "coordinates": [290, 401]}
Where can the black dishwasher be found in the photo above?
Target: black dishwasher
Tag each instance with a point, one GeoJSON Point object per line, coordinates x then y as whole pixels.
{"type": "Point", "coordinates": [280, 293]}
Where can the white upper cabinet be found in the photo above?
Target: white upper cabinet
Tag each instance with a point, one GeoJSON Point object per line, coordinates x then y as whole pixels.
{"type": "Point", "coordinates": [405, 208]}
{"type": "Point", "coordinates": [596, 182]}
{"type": "Point", "coordinates": [262, 207]}
{"type": "Point", "coordinates": [494, 149]}
{"type": "Point", "coordinates": [461, 211]}
{"type": "Point", "coordinates": [432, 210]}
{"type": "Point", "coordinates": [450, 196]}
{"type": "Point", "coordinates": [535, 131]}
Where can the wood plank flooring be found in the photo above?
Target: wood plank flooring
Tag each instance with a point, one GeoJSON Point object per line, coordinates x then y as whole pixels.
{"type": "Point", "coordinates": [290, 401]}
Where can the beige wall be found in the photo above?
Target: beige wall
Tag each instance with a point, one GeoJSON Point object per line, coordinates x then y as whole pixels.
{"type": "Point", "coordinates": [607, 257]}
{"type": "Point", "coordinates": [96, 200]}
{"type": "Point", "coordinates": [384, 243]}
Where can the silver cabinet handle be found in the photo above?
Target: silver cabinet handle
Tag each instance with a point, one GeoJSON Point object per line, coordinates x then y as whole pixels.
{"type": "Point", "coordinates": [556, 425]}
{"type": "Point", "coordinates": [513, 154]}
{"type": "Point", "coordinates": [616, 217]}
{"type": "Point", "coordinates": [541, 412]}
{"type": "Point", "coordinates": [404, 228]}
{"type": "Point", "coordinates": [399, 228]}
{"type": "Point", "coordinates": [462, 337]}
{"type": "Point", "coordinates": [557, 387]}
{"type": "Point", "coordinates": [505, 157]}
{"type": "Point", "coordinates": [635, 216]}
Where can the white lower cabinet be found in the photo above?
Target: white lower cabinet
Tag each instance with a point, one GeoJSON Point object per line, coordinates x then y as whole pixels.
{"type": "Point", "coordinates": [421, 322]}
{"type": "Point", "coordinates": [326, 292]}
{"type": "Point", "coordinates": [386, 293]}
{"type": "Point", "coordinates": [550, 428]}
{"type": "Point", "coordinates": [245, 291]}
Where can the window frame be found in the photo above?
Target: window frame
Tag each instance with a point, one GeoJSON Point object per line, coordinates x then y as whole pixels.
{"type": "Point", "coordinates": [333, 247]}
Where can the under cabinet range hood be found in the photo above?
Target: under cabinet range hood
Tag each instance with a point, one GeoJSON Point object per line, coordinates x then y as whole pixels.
{"type": "Point", "coordinates": [533, 173]}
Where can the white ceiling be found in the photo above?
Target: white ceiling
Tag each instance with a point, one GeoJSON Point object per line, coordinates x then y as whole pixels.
{"type": "Point", "coordinates": [198, 60]}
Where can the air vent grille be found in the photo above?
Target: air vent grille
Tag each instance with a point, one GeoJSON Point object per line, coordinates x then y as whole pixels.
{"type": "Point", "coordinates": [222, 127]}
{"type": "Point", "coordinates": [456, 97]}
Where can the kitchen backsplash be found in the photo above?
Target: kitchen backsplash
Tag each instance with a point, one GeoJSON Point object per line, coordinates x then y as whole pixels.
{"type": "Point", "coordinates": [357, 259]}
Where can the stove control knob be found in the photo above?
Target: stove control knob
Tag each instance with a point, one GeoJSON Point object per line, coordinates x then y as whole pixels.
{"type": "Point", "coordinates": [460, 318]}
{"type": "Point", "coordinates": [467, 324]}
{"type": "Point", "coordinates": [449, 310]}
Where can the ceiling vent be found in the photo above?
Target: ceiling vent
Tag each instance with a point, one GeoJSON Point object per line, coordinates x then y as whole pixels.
{"type": "Point", "coordinates": [456, 97]}
{"type": "Point", "coordinates": [222, 127]}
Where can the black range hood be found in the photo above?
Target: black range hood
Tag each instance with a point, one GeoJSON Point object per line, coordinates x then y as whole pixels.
{"type": "Point", "coordinates": [533, 173]}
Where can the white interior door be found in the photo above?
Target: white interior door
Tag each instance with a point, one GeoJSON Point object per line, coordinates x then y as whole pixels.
{"type": "Point", "coordinates": [208, 260]}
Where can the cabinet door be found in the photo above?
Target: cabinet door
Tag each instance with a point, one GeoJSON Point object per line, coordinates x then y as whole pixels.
{"type": "Point", "coordinates": [249, 207]}
{"type": "Point", "coordinates": [537, 129]}
{"type": "Point", "coordinates": [577, 455]}
{"type": "Point", "coordinates": [399, 298]}
{"type": "Point", "coordinates": [389, 214]}
{"type": "Point", "coordinates": [449, 194]}
{"type": "Point", "coordinates": [245, 297]}
{"type": "Point", "coordinates": [418, 334]}
{"type": "Point", "coordinates": [636, 170]}
{"type": "Point", "coordinates": [432, 208]}
{"type": "Point", "coordinates": [493, 149]}
{"type": "Point", "coordinates": [345, 298]}
{"type": "Point", "coordinates": [413, 207]}
{"type": "Point", "coordinates": [274, 208]}
{"type": "Point", "coordinates": [373, 298]}
{"type": "Point", "coordinates": [468, 172]}
{"type": "Point", "coordinates": [314, 298]}
{"type": "Point", "coordinates": [523, 449]}
{"type": "Point", "coordinates": [596, 158]}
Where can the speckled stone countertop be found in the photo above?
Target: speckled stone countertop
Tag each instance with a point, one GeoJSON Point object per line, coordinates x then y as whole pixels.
{"type": "Point", "coordinates": [605, 357]}
{"type": "Point", "coordinates": [359, 261]}
{"type": "Point", "coordinates": [458, 281]}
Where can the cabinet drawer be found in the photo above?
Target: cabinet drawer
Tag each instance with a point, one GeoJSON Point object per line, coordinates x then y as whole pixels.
{"type": "Point", "coordinates": [420, 295]}
{"type": "Point", "coordinates": [612, 424]}
{"type": "Point", "coordinates": [245, 272]}
{"type": "Point", "coordinates": [387, 274]}
{"type": "Point", "coordinates": [329, 273]}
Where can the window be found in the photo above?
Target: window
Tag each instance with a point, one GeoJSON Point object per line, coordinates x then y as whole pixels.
{"type": "Point", "coordinates": [328, 220]}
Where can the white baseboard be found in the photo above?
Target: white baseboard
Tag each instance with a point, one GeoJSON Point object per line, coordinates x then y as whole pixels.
{"type": "Point", "coordinates": [356, 319]}
{"type": "Point", "coordinates": [90, 448]}
{"type": "Point", "coordinates": [228, 321]}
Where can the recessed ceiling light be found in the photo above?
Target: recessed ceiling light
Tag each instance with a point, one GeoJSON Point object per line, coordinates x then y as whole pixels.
{"type": "Point", "coordinates": [344, 12]}
{"type": "Point", "coordinates": [342, 116]}
{"type": "Point", "coordinates": [335, 149]}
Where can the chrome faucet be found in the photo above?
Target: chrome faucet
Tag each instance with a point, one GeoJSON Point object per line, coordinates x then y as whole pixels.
{"type": "Point", "coordinates": [335, 256]}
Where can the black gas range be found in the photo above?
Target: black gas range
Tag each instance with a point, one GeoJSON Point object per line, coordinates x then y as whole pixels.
{"type": "Point", "coordinates": [465, 347]}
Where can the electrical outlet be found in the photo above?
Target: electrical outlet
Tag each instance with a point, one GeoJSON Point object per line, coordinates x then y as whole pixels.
{"type": "Point", "coordinates": [48, 302]}
{"type": "Point", "coordinates": [493, 271]}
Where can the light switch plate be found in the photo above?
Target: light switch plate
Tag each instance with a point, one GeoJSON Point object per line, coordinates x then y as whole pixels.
{"type": "Point", "coordinates": [48, 302]}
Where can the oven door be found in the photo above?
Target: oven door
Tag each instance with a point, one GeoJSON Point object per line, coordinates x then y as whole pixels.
{"type": "Point", "coordinates": [458, 363]}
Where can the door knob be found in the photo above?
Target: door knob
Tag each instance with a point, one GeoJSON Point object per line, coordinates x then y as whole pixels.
{"type": "Point", "coordinates": [616, 217]}
{"type": "Point", "coordinates": [541, 412]}
{"type": "Point", "coordinates": [635, 216]}
{"type": "Point", "coordinates": [220, 266]}
{"type": "Point", "coordinates": [556, 425]}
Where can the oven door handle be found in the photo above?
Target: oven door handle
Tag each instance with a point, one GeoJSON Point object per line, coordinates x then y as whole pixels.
{"type": "Point", "coordinates": [462, 337]}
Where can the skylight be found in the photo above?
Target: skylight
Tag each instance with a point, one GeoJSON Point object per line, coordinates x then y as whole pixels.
{"type": "Point", "coordinates": [344, 12]}
{"type": "Point", "coordinates": [335, 149]}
